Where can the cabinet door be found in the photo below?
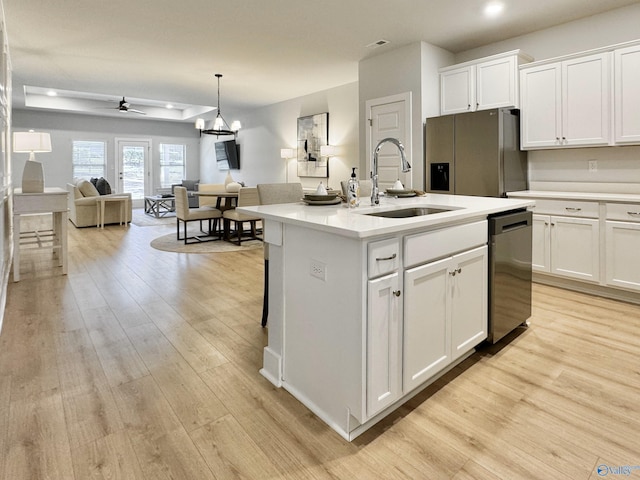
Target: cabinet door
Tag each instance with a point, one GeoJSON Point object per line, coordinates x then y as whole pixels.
{"type": "Point", "coordinates": [540, 103]}
{"type": "Point", "coordinates": [427, 342]}
{"type": "Point", "coordinates": [384, 366]}
{"type": "Point", "coordinates": [627, 94]}
{"type": "Point", "coordinates": [457, 91]}
{"type": "Point", "coordinates": [496, 84]}
{"type": "Point", "coordinates": [586, 100]}
{"type": "Point", "coordinates": [468, 280]}
{"type": "Point", "coordinates": [575, 250]}
{"type": "Point", "coordinates": [541, 255]}
{"type": "Point", "coordinates": [623, 256]}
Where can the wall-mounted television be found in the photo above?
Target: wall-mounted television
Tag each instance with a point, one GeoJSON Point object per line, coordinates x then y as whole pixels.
{"type": "Point", "coordinates": [228, 152]}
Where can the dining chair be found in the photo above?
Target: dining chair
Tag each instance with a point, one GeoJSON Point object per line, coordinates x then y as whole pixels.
{"type": "Point", "coordinates": [271, 194]}
{"type": "Point", "coordinates": [247, 196]}
{"type": "Point", "coordinates": [185, 215]}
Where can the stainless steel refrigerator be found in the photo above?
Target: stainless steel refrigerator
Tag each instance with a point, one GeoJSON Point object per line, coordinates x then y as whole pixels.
{"type": "Point", "coordinates": [475, 153]}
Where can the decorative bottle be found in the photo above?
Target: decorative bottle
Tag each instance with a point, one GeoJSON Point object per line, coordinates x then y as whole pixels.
{"type": "Point", "coordinates": [353, 190]}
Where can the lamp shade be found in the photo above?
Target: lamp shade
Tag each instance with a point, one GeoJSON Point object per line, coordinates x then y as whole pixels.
{"type": "Point", "coordinates": [31, 142]}
{"type": "Point", "coordinates": [200, 123]}
{"type": "Point", "coordinates": [327, 151]}
{"type": "Point", "coordinates": [286, 153]}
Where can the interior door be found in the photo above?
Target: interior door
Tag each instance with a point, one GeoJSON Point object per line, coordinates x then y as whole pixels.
{"type": "Point", "coordinates": [390, 117]}
{"type": "Point", "coordinates": [134, 169]}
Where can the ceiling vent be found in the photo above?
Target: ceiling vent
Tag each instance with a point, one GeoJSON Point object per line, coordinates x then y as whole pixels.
{"type": "Point", "coordinates": [378, 43]}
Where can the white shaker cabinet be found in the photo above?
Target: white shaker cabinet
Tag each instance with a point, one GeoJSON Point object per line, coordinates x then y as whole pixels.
{"type": "Point", "coordinates": [622, 241]}
{"type": "Point", "coordinates": [541, 240]}
{"type": "Point", "coordinates": [575, 248]}
{"type": "Point", "coordinates": [566, 104]}
{"type": "Point", "coordinates": [483, 84]}
{"type": "Point", "coordinates": [445, 313]}
{"type": "Point", "coordinates": [457, 90]}
{"type": "Point", "coordinates": [627, 94]}
{"type": "Point", "coordinates": [384, 330]}
{"type": "Point", "coordinates": [566, 239]}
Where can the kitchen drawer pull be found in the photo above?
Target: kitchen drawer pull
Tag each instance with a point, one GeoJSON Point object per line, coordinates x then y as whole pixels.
{"type": "Point", "coordinates": [396, 293]}
{"type": "Point", "coordinates": [386, 258]}
{"type": "Point", "coordinates": [573, 209]}
{"type": "Point", "coordinates": [635, 214]}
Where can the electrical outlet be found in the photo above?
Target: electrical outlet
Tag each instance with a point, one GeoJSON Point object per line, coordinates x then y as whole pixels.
{"type": "Point", "coordinates": [593, 165]}
{"type": "Point", "coordinates": [318, 270]}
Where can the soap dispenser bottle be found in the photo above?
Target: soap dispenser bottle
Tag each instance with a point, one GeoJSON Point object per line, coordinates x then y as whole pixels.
{"type": "Point", "coordinates": [353, 190]}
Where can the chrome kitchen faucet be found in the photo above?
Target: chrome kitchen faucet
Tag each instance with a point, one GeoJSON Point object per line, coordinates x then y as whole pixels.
{"type": "Point", "coordinates": [406, 167]}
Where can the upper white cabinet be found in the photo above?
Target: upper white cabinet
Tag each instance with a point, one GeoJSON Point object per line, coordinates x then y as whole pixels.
{"type": "Point", "coordinates": [627, 94]}
{"type": "Point", "coordinates": [490, 82]}
{"type": "Point", "coordinates": [567, 103]}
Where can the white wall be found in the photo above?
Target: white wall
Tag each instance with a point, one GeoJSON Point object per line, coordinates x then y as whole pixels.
{"type": "Point", "coordinates": [267, 130]}
{"type": "Point", "coordinates": [566, 169]}
{"type": "Point", "coordinates": [66, 127]}
{"type": "Point", "coordinates": [412, 68]}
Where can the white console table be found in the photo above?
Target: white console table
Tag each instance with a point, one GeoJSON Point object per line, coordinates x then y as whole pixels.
{"type": "Point", "coordinates": [54, 201]}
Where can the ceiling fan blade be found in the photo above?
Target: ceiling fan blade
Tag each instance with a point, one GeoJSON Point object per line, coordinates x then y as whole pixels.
{"type": "Point", "coordinates": [133, 110]}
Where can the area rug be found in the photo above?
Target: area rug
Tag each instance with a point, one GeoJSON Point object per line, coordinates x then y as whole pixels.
{"type": "Point", "coordinates": [141, 219]}
{"type": "Point", "coordinates": [168, 243]}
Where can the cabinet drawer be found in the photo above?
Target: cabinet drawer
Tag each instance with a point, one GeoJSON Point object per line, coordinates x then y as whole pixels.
{"type": "Point", "coordinates": [384, 257]}
{"type": "Point", "coordinates": [626, 212]}
{"type": "Point", "coordinates": [572, 208]}
{"type": "Point", "coordinates": [424, 247]}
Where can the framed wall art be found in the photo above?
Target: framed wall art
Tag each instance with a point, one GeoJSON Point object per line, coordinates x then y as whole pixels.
{"type": "Point", "coordinates": [313, 133]}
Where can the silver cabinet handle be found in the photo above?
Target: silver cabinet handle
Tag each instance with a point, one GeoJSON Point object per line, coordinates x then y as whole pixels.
{"type": "Point", "coordinates": [386, 258]}
{"type": "Point", "coordinates": [635, 214]}
{"type": "Point", "coordinates": [572, 209]}
{"type": "Point", "coordinates": [396, 293]}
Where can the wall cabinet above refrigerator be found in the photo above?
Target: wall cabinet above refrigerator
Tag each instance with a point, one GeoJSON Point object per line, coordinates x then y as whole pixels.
{"type": "Point", "coordinates": [483, 84]}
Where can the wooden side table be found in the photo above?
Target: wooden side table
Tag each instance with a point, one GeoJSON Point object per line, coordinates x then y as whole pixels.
{"type": "Point", "coordinates": [53, 200]}
{"type": "Point", "coordinates": [100, 202]}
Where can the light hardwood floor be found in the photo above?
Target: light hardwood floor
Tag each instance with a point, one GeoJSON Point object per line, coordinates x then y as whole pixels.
{"type": "Point", "coordinates": [142, 364]}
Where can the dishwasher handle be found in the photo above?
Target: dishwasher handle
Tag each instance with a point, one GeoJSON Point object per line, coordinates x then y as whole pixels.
{"type": "Point", "coordinates": [509, 222]}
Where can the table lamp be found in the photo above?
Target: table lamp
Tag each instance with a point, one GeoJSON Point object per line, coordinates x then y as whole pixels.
{"type": "Point", "coordinates": [33, 174]}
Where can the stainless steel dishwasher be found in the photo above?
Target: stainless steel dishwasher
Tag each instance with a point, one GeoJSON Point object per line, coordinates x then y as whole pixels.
{"type": "Point", "coordinates": [510, 245]}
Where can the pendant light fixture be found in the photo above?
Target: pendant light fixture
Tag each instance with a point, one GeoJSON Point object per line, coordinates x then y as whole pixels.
{"type": "Point", "coordinates": [220, 125]}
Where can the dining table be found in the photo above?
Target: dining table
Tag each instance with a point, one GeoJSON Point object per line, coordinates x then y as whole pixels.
{"type": "Point", "coordinates": [230, 198]}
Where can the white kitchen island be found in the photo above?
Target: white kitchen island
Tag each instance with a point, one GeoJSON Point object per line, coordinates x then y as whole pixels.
{"type": "Point", "coordinates": [366, 311]}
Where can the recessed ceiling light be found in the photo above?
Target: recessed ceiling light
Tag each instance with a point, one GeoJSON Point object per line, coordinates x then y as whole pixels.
{"type": "Point", "coordinates": [51, 93]}
{"type": "Point", "coordinates": [493, 9]}
{"type": "Point", "coordinates": [169, 106]}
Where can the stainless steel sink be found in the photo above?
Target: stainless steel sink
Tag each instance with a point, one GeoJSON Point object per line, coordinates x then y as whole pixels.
{"type": "Point", "coordinates": [410, 212]}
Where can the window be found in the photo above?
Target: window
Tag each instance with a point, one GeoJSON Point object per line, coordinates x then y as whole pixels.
{"type": "Point", "coordinates": [172, 164]}
{"type": "Point", "coordinates": [89, 159]}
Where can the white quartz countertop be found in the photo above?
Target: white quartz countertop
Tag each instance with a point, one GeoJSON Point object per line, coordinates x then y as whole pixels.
{"type": "Point", "coordinates": [595, 197]}
{"type": "Point", "coordinates": [341, 220]}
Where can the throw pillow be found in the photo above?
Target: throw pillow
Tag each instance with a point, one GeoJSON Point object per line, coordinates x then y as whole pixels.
{"type": "Point", "coordinates": [87, 189]}
{"type": "Point", "coordinates": [94, 181]}
{"type": "Point", "coordinates": [103, 186]}
{"type": "Point", "coordinates": [191, 184]}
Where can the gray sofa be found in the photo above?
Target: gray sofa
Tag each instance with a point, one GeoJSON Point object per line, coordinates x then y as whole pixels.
{"type": "Point", "coordinates": [192, 187]}
{"type": "Point", "coordinates": [83, 210]}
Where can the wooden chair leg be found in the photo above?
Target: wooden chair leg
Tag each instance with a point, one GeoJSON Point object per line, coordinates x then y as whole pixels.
{"type": "Point", "coordinates": [239, 231]}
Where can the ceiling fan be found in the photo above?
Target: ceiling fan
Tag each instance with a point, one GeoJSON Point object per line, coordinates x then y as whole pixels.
{"type": "Point", "coordinates": [125, 107]}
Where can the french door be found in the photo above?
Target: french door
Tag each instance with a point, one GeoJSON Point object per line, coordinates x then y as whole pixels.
{"type": "Point", "coordinates": [134, 169]}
